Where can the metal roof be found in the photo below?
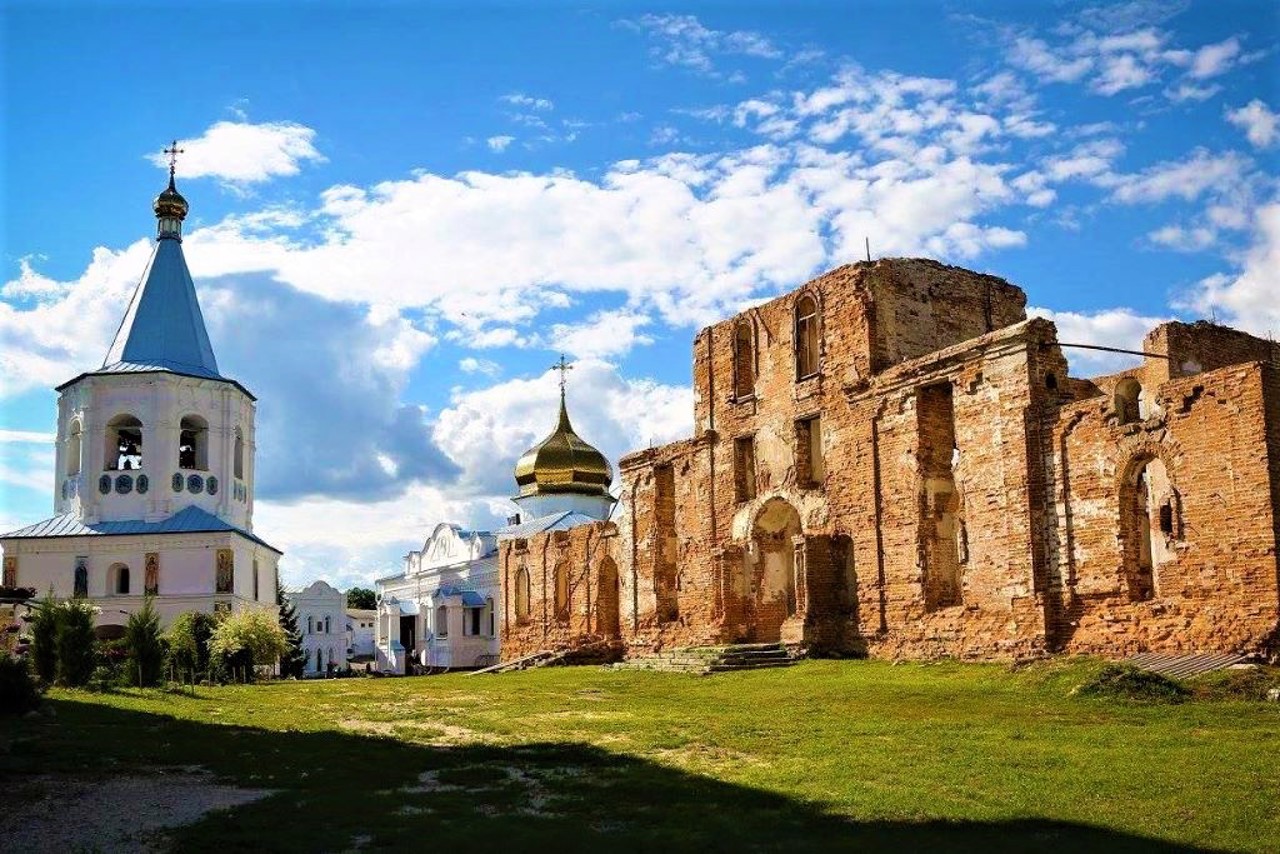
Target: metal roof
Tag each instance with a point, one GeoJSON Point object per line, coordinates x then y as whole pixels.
{"type": "Point", "coordinates": [1183, 666]}
{"type": "Point", "coordinates": [191, 520]}
{"type": "Point", "coordinates": [470, 598]}
{"type": "Point", "coordinates": [561, 521]}
{"type": "Point", "coordinates": [163, 327]}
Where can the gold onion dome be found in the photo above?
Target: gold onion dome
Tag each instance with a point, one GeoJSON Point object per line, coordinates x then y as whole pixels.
{"type": "Point", "coordinates": [170, 203]}
{"type": "Point", "coordinates": [563, 462]}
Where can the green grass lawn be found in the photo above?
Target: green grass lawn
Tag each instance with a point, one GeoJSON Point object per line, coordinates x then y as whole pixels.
{"type": "Point", "coordinates": [825, 755]}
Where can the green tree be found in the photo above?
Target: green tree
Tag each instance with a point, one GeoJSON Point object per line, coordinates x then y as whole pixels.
{"type": "Point", "coordinates": [362, 598]}
{"type": "Point", "coordinates": [44, 638]}
{"type": "Point", "coordinates": [144, 646]}
{"type": "Point", "coordinates": [251, 638]}
{"type": "Point", "coordinates": [188, 642]}
{"type": "Point", "coordinates": [75, 643]}
{"type": "Point", "coordinates": [294, 659]}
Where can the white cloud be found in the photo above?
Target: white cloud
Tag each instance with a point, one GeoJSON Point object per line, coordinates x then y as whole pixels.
{"type": "Point", "coordinates": [499, 143]}
{"type": "Point", "coordinates": [682, 40]}
{"type": "Point", "coordinates": [603, 334]}
{"type": "Point", "coordinates": [1248, 297]}
{"type": "Point", "coordinates": [1258, 122]}
{"type": "Point", "coordinates": [519, 99]}
{"type": "Point", "coordinates": [242, 153]}
{"type": "Point", "coordinates": [1122, 328]}
{"type": "Point", "coordinates": [1199, 172]}
{"type": "Point", "coordinates": [32, 436]}
{"type": "Point", "coordinates": [1186, 91]}
{"type": "Point", "coordinates": [1182, 239]}
{"type": "Point", "coordinates": [1036, 56]}
{"type": "Point", "coordinates": [1215, 59]}
{"type": "Point", "coordinates": [472, 365]}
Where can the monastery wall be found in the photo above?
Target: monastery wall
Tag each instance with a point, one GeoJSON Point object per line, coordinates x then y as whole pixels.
{"type": "Point", "coordinates": [561, 590]}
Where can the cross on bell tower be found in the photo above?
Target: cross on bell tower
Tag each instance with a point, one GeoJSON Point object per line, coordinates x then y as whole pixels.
{"type": "Point", "coordinates": [173, 151]}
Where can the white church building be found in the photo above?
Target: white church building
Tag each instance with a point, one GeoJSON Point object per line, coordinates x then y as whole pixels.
{"type": "Point", "coordinates": [322, 620]}
{"type": "Point", "coordinates": [153, 485]}
{"type": "Point", "coordinates": [440, 612]}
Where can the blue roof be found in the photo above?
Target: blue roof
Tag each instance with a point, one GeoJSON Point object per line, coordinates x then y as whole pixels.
{"type": "Point", "coordinates": [470, 598]}
{"type": "Point", "coordinates": [163, 328]}
{"type": "Point", "coordinates": [191, 520]}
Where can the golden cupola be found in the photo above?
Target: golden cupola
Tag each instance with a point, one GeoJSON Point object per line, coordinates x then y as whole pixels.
{"type": "Point", "coordinates": [563, 462]}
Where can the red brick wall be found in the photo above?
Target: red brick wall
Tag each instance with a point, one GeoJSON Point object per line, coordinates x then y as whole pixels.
{"type": "Point", "coordinates": [1034, 489]}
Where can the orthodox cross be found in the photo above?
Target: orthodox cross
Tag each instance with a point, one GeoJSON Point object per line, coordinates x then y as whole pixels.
{"type": "Point", "coordinates": [563, 367]}
{"type": "Point", "coordinates": [173, 152]}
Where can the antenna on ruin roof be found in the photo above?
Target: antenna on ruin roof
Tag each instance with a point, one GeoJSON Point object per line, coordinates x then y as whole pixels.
{"type": "Point", "coordinates": [868, 239]}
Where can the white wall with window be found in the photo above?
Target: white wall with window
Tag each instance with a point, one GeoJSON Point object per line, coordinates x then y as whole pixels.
{"type": "Point", "coordinates": [322, 619]}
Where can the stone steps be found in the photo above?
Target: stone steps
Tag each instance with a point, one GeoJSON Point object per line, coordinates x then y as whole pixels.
{"type": "Point", "coordinates": [712, 659]}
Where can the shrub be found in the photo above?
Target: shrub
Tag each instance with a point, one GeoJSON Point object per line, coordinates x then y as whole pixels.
{"type": "Point", "coordinates": [247, 639]}
{"type": "Point", "coordinates": [143, 645]}
{"type": "Point", "coordinates": [75, 643]}
{"type": "Point", "coordinates": [1236, 684]}
{"type": "Point", "coordinates": [19, 692]}
{"type": "Point", "coordinates": [44, 638]}
{"type": "Point", "coordinates": [1126, 682]}
{"type": "Point", "coordinates": [188, 642]}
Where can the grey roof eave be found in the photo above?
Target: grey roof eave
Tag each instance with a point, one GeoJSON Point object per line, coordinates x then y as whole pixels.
{"type": "Point", "coordinates": [99, 372]}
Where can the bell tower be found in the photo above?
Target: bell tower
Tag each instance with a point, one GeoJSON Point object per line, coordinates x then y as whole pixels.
{"type": "Point", "coordinates": [157, 428]}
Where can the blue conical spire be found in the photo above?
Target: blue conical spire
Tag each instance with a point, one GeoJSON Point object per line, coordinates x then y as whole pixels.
{"type": "Point", "coordinates": [163, 328]}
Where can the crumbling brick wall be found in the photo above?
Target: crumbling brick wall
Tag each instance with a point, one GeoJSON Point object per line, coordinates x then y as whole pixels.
{"type": "Point", "coordinates": [926, 479]}
{"type": "Point", "coordinates": [1204, 456]}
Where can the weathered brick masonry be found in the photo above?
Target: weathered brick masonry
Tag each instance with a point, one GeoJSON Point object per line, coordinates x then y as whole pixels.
{"type": "Point", "coordinates": [893, 460]}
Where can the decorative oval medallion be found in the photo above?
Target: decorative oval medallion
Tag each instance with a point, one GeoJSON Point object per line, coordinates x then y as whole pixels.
{"type": "Point", "coordinates": [124, 484]}
{"type": "Point", "coordinates": [212, 485]}
{"type": "Point", "coordinates": [144, 483]}
{"type": "Point", "coordinates": [195, 484]}
{"type": "Point", "coordinates": [104, 484]}
{"type": "Point", "coordinates": [177, 482]}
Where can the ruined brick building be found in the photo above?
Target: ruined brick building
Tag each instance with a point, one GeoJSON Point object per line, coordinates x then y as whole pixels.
{"type": "Point", "coordinates": [893, 460]}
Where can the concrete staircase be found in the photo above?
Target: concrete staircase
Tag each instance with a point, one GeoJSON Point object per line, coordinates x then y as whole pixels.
{"type": "Point", "coordinates": [704, 660]}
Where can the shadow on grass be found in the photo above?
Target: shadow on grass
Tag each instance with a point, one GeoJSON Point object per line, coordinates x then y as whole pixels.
{"type": "Point", "coordinates": [339, 791]}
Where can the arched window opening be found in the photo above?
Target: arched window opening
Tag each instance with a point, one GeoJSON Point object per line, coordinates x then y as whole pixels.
{"type": "Point", "coordinates": [523, 591]}
{"type": "Point", "coordinates": [311, 626]}
{"type": "Point", "coordinates": [238, 458]}
{"type": "Point", "coordinates": [118, 579]}
{"type": "Point", "coordinates": [123, 450]}
{"type": "Point", "coordinates": [326, 625]}
{"type": "Point", "coordinates": [442, 622]}
{"type": "Point", "coordinates": [744, 360]}
{"type": "Point", "coordinates": [1051, 381]}
{"type": "Point", "coordinates": [806, 337]}
{"type": "Point", "coordinates": [493, 626]}
{"type": "Point", "coordinates": [562, 592]}
{"type": "Point", "coordinates": [1149, 523]}
{"type": "Point", "coordinates": [193, 443]}
{"type": "Point", "coordinates": [608, 599]}
{"type": "Point", "coordinates": [319, 660]}
{"type": "Point", "coordinates": [74, 439]}
{"type": "Point", "coordinates": [256, 588]}
{"type": "Point", "coordinates": [1127, 400]}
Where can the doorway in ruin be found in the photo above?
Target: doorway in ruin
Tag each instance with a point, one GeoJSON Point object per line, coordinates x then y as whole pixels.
{"type": "Point", "coordinates": [608, 596]}
{"type": "Point", "coordinates": [1150, 523]}
{"type": "Point", "coordinates": [773, 580]}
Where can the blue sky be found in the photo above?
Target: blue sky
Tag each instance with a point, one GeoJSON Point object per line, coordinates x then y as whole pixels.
{"type": "Point", "coordinates": [401, 213]}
